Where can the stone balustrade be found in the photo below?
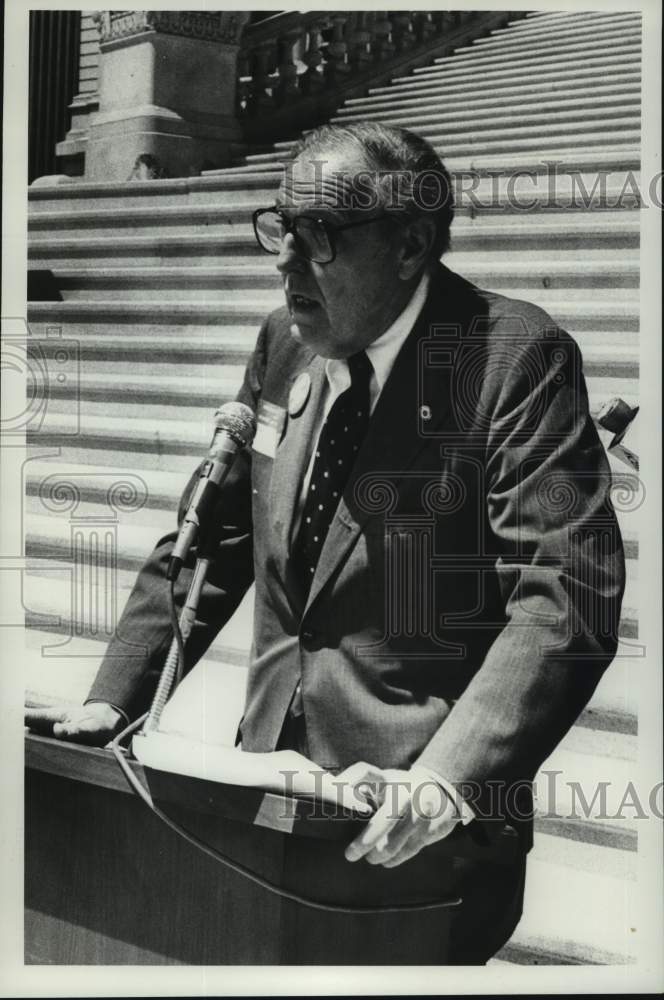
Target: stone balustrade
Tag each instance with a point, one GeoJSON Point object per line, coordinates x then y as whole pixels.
{"type": "Point", "coordinates": [293, 65]}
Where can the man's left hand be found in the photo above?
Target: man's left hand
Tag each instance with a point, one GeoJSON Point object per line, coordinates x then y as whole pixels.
{"type": "Point", "coordinates": [412, 811]}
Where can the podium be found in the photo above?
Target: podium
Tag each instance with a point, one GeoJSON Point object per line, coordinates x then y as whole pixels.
{"type": "Point", "coordinates": [108, 883]}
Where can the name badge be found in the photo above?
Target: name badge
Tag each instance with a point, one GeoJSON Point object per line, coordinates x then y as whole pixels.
{"type": "Point", "coordinates": [270, 420]}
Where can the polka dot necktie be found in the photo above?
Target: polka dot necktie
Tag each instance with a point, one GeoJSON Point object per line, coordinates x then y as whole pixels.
{"type": "Point", "coordinates": [338, 444]}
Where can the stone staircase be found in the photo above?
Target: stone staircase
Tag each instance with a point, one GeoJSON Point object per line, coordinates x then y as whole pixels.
{"type": "Point", "coordinates": [157, 292]}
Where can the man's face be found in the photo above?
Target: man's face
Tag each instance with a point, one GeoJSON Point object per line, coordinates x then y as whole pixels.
{"type": "Point", "coordinates": [338, 308]}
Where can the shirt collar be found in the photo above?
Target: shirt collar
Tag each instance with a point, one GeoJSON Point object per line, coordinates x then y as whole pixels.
{"type": "Point", "coordinates": [382, 352]}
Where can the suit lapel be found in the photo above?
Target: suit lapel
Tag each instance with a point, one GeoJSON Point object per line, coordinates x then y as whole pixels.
{"type": "Point", "coordinates": [292, 457]}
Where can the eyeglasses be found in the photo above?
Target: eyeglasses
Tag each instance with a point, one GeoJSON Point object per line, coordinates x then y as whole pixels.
{"type": "Point", "coordinates": [314, 236]}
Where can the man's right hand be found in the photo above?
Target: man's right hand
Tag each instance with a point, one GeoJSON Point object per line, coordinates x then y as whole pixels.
{"type": "Point", "coordinates": [94, 724]}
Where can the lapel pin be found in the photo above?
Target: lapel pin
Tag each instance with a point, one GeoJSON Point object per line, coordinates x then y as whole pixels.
{"type": "Point", "coordinates": [425, 413]}
{"type": "Point", "coordinates": [299, 394]}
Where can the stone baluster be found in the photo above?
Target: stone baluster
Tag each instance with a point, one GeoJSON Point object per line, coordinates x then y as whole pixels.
{"type": "Point", "coordinates": [369, 22]}
{"type": "Point", "coordinates": [94, 547]}
{"type": "Point", "coordinates": [287, 86]}
{"type": "Point", "coordinates": [244, 83]}
{"type": "Point", "coordinates": [382, 45]}
{"type": "Point", "coordinates": [337, 67]}
{"type": "Point", "coordinates": [423, 26]}
{"type": "Point", "coordinates": [312, 80]}
{"type": "Point", "coordinates": [442, 21]}
{"type": "Point", "coordinates": [264, 59]}
{"type": "Point", "coordinates": [360, 37]}
{"type": "Point", "coordinates": [402, 30]}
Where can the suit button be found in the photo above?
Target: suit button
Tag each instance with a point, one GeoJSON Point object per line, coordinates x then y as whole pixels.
{"type": "Point", "coordinates": [311, 639]}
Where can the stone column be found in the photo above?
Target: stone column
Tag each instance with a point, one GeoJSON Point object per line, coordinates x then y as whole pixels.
{"type": "Point", "coordinates": [71, 150]}
{"type": "Point", "coordinates": [166, 88]}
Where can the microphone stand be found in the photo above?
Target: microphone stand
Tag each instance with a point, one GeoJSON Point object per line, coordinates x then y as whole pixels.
{"type": "Point", "coordinates": [170, 669]}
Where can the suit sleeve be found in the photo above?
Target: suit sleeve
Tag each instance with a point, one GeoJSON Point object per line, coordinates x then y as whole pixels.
{"type": "Point", "coordinates": [560, 571]}
{"type": "Point", "coordinates": [134, 657]}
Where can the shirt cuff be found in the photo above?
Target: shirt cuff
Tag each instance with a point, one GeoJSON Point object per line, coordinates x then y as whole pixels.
{"type": "Point", "coordinates": [465, 811]}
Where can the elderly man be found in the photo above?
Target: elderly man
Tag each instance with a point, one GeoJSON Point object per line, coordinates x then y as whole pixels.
{"type": "Point", "coordinates": [424, 512]}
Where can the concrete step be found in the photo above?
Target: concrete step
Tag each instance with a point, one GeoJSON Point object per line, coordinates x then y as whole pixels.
{"type": "Point", "coordinates": [586, 762]}
{"type": "Point", "coordinates": [90, 417]}
{"type": "Point", "coordinates": [477, 145]}
{"type": "Point", "coordinates": [49, 523]}
{"type": "Point", "coordinates": [611, 270]}
{"type": "Point", "coordinates": [110, 364]}
{"type": "Point", "coordinates": [554, 19]}
{"type": "Point", "coordinates": [48, 533]}
{"type": "Point", "coordinates": [233, 340]}
{"type": "Point", "coordinates": [626, 46]}
{"type": "Point", "coordinates": [62, 659]}
{"type": "Point", "coordinates": [140, 444]}
{"type": "Point", "coordinates": [499, 127]}
{"type": "Point", "coordinates": [564, 66]}
{"type": "Point", "coordinates": [550, 86]}
{"type": "Point", "coordinates": [213, 186]}
{"type": "Point", "coordinates": [49, 550]}
{"type": "Point", "coordinates": [171, 400]}
{"type": "Point", "coordinates": [508, 39]}
{"type": "Point", "coordinates": [566, 49]}
{"type": "Point", "coordinates": [537, 28]}
{"type": "Point", "coordinates": [218, 195]}
{"type": "Point", "coordinates": [158, 387]}
{"type": "Point", "coordinates": [164, 396]}
{"type": "Point", "coordinates": [146, 250]}
{"type": "Point", "coordinates": [181, 284]}
{"type": "Point", "coordinates": [245, 309]}
{"type": "Point", "coordinates": [79, 287]}
{"type": "Point", "coordinates": [165, 219]}
{"type": "Point", "coordinates": [618, 156]}
{"type": "Point", "coordinates": [46, 211]}
{"type": "Point", "coordinates": [509, 137]}
{"type": "Point", "coordinates": [560, 923]}
{"type": "Point", "coordinates": [502, 109]}
{"type": "Point", "coordinates": [608, 269]}
{"type": "Point", "coordinates": [590, 230]}
{"type": "Point", "coordinates": [161, 491]}
{"type": "Point", "coordinates": [48, 254]}
{"type": "Point", "coordinates": [585, 70]}
{"type": "Point", "coordinates": [578, 192]}
{"type": "Point", "coordinates": [120, 353]}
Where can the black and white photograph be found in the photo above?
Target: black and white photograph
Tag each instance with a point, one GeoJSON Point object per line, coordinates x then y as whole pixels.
{"type": "Point", "coordinates": [330, 560]}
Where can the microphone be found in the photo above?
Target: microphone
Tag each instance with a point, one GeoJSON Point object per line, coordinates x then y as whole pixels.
{"type": "Point", "coordinates": [235, 426]}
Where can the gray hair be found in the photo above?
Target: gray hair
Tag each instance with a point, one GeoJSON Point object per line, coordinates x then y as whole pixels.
{"type": "Point", "coordinates": [424, 184]}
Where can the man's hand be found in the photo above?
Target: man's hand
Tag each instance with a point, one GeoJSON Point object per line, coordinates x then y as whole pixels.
{"type": "Point", "coordinates": [413, 811]}
{"type": "Point", "coordinates": [94, 724]}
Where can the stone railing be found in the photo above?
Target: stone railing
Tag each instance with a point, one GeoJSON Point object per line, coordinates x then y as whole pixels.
{"type": "Point", "coordinates": [294, 67]}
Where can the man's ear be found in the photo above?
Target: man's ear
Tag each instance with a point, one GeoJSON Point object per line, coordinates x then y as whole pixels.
{"type": "Point", "coordinates": [418, 237]}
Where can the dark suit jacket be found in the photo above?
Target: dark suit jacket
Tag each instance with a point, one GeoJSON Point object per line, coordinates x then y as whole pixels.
{"type": "Point", "coordinates": [468, 594]}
